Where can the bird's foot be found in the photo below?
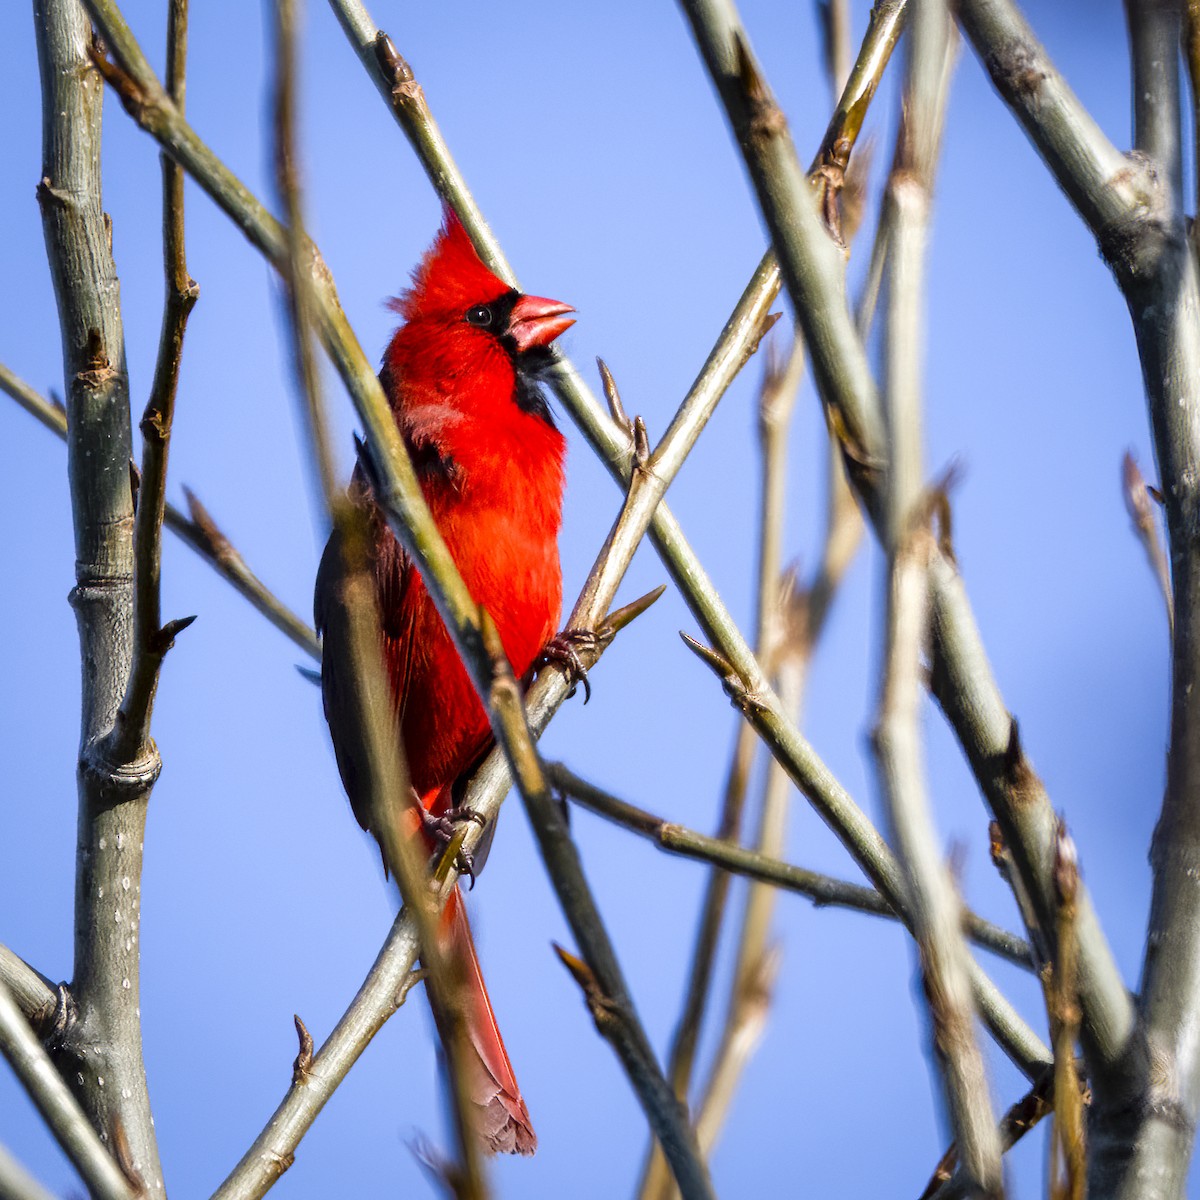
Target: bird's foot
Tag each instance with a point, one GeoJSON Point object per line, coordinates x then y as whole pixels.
{"type": "Point", "coordinates": [564, 649]}
{"type": "Point", "coordinates": [441, 829]}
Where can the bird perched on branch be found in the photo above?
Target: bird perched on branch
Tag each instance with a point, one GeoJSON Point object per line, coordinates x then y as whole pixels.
{"type": "Point", "coordinates": [461, 377]}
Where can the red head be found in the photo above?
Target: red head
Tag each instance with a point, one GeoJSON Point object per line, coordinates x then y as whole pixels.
{"type": "Point", "coordinates": [471, 345]}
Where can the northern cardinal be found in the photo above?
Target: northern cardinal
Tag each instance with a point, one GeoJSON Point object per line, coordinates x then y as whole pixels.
{"type": "Point", "coordinates": [461, 377]}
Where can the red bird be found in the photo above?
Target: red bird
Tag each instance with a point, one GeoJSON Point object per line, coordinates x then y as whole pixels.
{"type": "Point", "coordinates": [461, 376]}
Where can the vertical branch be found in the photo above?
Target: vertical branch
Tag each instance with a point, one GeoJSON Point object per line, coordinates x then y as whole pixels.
{"type": "Point", "coordinates": [300, 263]}
{"type": "Point", "coordinates": [1155, 29]}
{"type": "Point", "coordinates": [371, 713]}
{"type": "Point", "coordinates": [102, 1049]}
{"type": "Point", "coordinates": [1191, 55]}
{"type": "Point", "coordinates": [936, 911]}
{"type": "Point", "coordinates": [368, 697]}
{"type": "Point", "coordinates": [1067, 1147]}
{"type": "Point", "coordinates": [151, 640]}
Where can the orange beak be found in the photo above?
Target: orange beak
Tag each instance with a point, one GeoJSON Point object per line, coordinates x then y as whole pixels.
{"type": "Point", "coordinates": [536, 321]}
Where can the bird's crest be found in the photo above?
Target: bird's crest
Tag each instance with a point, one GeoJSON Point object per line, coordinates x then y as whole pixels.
{"type": "Point", "coordinates": [450, 277]}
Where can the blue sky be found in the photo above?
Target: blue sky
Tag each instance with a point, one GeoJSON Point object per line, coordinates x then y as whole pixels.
{"type": "Point", "coordinates": [596, 148]}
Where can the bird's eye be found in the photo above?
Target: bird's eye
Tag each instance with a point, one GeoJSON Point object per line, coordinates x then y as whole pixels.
{"type": "Point", "coordinates": [480, 315]}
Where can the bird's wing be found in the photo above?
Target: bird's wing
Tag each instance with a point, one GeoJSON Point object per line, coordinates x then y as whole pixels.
{"type": "Point", "coordinates": [394, 576]}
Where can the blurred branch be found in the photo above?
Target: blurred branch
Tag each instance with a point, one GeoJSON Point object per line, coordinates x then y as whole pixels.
{"type": "Point", "coordinates": [824, 890]}
{"type": "Point", "coordinates": [1145, 526]}
{"type": "Point", "coordinates": [34, 994]}
{"type": "Point", "coordinates": [59, 1109]}
{"type": "Point", "coordinates": [371, 712]}
{"type": "Point", "coordinates": [828, 170]}
{"type": "Point", "coordinates": [369, 700]}
{"type": "Point", "coordinates": [1144, 1116]}
{"type": "Point", "coordinates": [16, 1183]}
{"type": "Point", "coordinates": [100, 1051]}
{"type": "Point", "coordinates": [937, 922]}
{"type": "Point", "coordinates": [299, 264]}
{"type": "Point", "coordinates": [1067, 1139]}
{"type": "Point", "coordinates": [199, 531]}
{"type": "Point", "coordinates": [948, 1184]}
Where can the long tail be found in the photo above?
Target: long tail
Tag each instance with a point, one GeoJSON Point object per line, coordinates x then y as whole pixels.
{"type": "Point", "coordinates": [501, 1118]}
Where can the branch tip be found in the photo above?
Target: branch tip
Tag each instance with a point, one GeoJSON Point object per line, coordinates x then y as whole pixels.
{"type": "Point", "coordinates": [615, 407]}
{"type": "Point", "coordinates": [302, 1067]}
{"type": "Point", "coordinates": [619, 618]}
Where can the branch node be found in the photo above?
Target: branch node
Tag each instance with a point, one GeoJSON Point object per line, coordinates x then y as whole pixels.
{"type": "Point", "coordinates": [62, 1019]}
{"type": "Point", "coordinates": [766, 119]}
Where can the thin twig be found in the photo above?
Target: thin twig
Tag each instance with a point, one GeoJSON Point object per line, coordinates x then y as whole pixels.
{"type": "Point", "coordinates": [152, 639]}
{"type": "Point", "coordinates": [823, 890]}
{"type": "Point", "coordinates": [1067, 1157]}
{"type": "Point", "coordinates": [199, 531]}
{"type": "Point", "coordinates": [1021, 1117]}
{"type": "Point", "coordinates": [299, 264]}
{"type": "Point", "coordinates": [60, 1110]}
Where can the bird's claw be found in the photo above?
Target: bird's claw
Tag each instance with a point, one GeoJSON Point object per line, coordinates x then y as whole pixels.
{"type": "Point", "coordinates": [442, 827]}
{"type": "Point", "coordinates": [564, 649]}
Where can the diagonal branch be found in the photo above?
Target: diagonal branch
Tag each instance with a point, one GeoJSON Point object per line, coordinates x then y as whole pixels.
{"type": "Point", "coordinates": [823, 890]}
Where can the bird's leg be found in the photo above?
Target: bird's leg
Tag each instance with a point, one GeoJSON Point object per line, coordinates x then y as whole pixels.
{"type": "Point", "coordinates": [564, 649]}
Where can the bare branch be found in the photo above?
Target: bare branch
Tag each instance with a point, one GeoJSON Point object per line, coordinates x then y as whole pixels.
{"type": "Point", "coordinates": [152, 639]}
{"type": "Point", "coordinates": [198, 531]}
{"type": "Point", "coordinates": [101, 1051]}
{"type": "Point", "coordinates": [1155, 32]}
